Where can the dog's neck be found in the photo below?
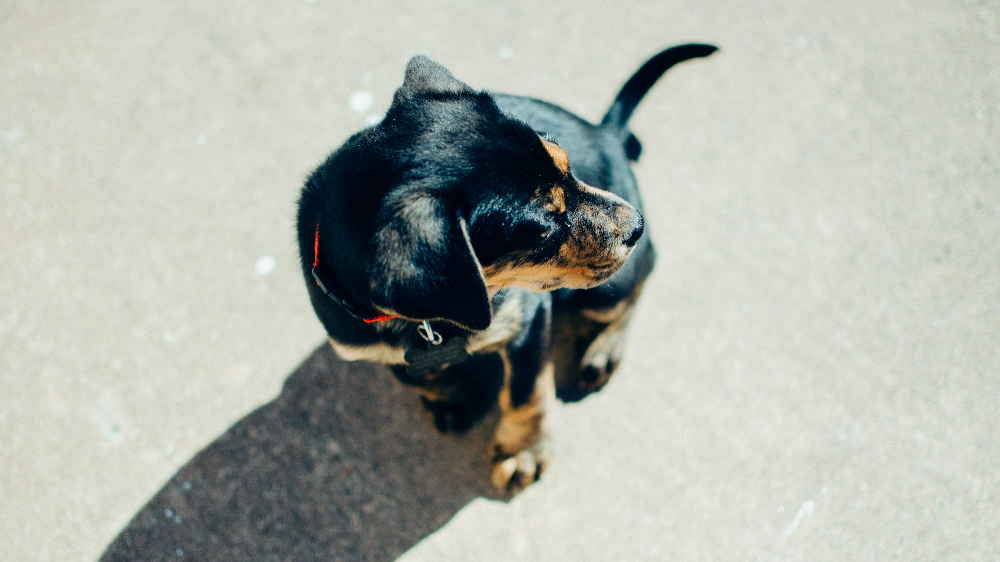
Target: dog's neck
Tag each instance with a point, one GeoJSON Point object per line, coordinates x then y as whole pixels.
{"type": "Point", "coordinates": [331, 288]}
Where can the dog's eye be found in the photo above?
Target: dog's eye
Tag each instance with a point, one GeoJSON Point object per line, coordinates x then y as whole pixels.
{"type": "Point", "coordinates": [551, 230]}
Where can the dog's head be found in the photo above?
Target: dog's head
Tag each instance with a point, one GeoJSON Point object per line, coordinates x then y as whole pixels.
{"type": "Point", "coordinates": [471, 200]}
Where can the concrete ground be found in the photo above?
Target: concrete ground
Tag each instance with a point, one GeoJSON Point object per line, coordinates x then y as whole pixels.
{"type": "Point", "coordinates": [812, 374]}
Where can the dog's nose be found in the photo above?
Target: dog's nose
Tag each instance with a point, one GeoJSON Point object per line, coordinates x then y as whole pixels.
{"type": "Point", "coordinates": [636, 233]}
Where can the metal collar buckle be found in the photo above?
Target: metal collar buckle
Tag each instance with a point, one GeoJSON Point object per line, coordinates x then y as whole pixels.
{"type": "Point", "coordinates": [428, 333]}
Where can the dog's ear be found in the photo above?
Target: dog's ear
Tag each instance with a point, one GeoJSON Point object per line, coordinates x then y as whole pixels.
{"type": "Point", "coordinates": [426, 76]}
{"type": "Point", "coordinates": [425, 267]}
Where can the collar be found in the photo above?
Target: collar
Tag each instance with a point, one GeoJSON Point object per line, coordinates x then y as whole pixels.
{"type": "Point", "coordinates": [340, 297]}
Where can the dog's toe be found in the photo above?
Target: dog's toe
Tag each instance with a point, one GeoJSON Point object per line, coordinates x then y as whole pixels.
{"type": "Point", "coordinates": [514, 472]}
{"type": "Point", "coordinates": [593, 377]}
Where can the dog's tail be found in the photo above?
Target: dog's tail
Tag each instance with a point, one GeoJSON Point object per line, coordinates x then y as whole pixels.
{"type": "Point", "coordinates": [644, 78]}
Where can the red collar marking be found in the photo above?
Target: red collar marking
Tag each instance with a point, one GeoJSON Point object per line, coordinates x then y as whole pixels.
{"type": "Point", "coordinates": [372, 320]}
{"type": "Point", "coordinates": [379, 318]}
{"type": "Point", "coordinates": [316, 248]}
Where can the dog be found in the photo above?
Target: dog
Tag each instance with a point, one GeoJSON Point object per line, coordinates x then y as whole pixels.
{"type": "Point", "coordinates": [486, 248]}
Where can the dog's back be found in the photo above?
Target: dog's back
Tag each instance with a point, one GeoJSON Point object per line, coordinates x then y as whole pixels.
{"type": "Point", "coordinates": [589, 323]}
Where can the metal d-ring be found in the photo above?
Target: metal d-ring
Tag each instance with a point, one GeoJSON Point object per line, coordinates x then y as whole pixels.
{"type": "Point", "coordinates": [429, 334]}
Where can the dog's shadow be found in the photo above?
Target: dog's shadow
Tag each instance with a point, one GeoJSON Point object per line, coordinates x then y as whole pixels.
{"type": "Point", "coordinates": [343, 465]}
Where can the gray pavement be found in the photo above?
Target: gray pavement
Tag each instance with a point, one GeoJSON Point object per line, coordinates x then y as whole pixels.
{"type": "Point", "coordinates": [812, 375]}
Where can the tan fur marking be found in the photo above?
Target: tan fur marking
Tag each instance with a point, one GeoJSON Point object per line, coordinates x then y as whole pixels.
{"type": "Point", "coordinates": [609, 315]}
{"type": "Point", "coordinates": [557, 201]}
{"type": "Point", "coordinates": [596, 191]}
{"type": "Point", "coordinates": [539, 277]}
{"type": "Point", "coordinates": [610, 342]}
{"type": "Point", "coordinates": [507, 323]}
{"type": "Point", "coordinates": [559, 156]}
{"type": "Point", "coordinates": [522, 427]}
{"type": "Point", "coordinates": [582, 263]}
{"type": "Point", "coordinates": [378, 353]}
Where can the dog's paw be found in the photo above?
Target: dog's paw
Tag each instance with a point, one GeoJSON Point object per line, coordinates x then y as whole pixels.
{"type": "Point", "coordinates": [596, 373]}
{"type": "Point", "coordinates": [590, 377]}
{"type": "Point", "coordinates": [514, 471]}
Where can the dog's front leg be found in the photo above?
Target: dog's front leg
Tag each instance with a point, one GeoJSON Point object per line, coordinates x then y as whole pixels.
{"type": "Point", "coordinates": [589, 344]}
{"type": "Point", "coordinates": [521, 445]}
{"type": "Point", "coordinates": [457, 396]}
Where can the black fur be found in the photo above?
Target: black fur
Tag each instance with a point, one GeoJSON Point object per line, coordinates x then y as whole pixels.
{"type": "Point", "coordinates": [458, 209]}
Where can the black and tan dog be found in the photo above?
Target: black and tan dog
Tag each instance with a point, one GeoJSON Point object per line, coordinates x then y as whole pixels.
{"type": "Point", "coordinates": [485, 247]}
